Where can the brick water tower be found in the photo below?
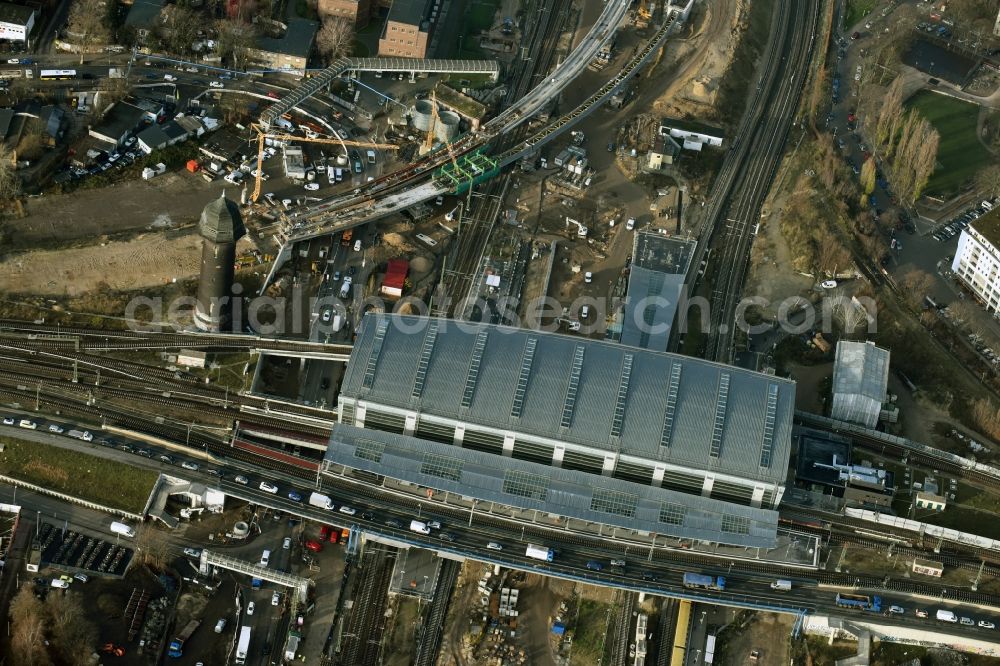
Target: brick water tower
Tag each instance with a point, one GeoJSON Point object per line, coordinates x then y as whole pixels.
{"type": "Point", "coordinates": [220, 227]}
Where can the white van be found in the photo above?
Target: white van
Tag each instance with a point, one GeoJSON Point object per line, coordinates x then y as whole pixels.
{"type": "Point", "coordinates": [265, 558]}
{"type": "Point", "coordinates": [423, 238]}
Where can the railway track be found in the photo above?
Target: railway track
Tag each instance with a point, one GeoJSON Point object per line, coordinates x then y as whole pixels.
{"type": "Point", "coordinates": [624, 603]}
{"type": "Point", "coordinates": [433, 625]}
{"type": "Point", "coordinates": [666, 624]}
{"type": "Point", "coordinates": [733, 226]}
{"type": "Point", "coordinates": [473, 238]}
{"type": "Point", "coordinates": [362, 640]}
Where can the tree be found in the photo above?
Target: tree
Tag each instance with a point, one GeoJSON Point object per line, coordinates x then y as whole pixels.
{"type": "Point", "coordinates": [988, 180]}
{"type": "Point", "coordinates": [88, 24]}
{"type": "Point", "coordinates": [10, 183]}
{"type": "Point", "coordinates": [889, 113]}
{"type": "Point", "coordinates": [152, 548]}
{"type": "Point", "coordinates": [234, 39]}
{"type": "Point", "coordinates": [181, 29]}
{"type": "Point", "coordinates": [28, 620]}
{"type": "Point", "coordinates": [335, 37]}
{"type": "Point", "coordinates": [868, 177]}
{"type": "Point", "coordinates": [831, 255]}
{"type": "Point", "coordinates": [72, 634]}
{"type": "Point", "coordinates": [925, 159]}
{"type": "Point", "coordinates": [915, 285]}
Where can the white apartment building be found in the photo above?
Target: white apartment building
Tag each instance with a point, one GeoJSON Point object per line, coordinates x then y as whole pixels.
{"type": "Point", "coordinates": [977, 260]}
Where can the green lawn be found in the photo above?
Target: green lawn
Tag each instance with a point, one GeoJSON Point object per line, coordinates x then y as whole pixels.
{"type": "Point", "coordinates": [857, 10]}
{"type": "Point", "coordinates": [480, 16]}
{"type": "Point", "coordinates": [960, 154]}
{"type": "Point", "coordinates": [99, 480]}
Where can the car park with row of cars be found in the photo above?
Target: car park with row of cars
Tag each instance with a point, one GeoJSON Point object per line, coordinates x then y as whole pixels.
{"type": "Point", "coordinates": [954, 226]}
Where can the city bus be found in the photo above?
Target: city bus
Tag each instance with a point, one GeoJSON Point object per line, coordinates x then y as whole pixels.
{"type": "Point", "coordinates": [57, 74]}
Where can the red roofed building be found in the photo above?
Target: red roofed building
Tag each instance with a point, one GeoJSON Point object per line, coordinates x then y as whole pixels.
{"type": "Point", "coordinates": [395, 277]}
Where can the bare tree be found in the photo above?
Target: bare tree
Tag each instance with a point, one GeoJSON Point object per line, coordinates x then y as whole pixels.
{"type": "Point", "coordinates": [889, 113]}
{"type": "Point", "coordinates": [27, 638]}
{"type": "Point", "coordinates": [234, 41]}
{"type": "Point", "coordinates": [10, 182]}
{"type": "Point", "coordinates": [72, 634]}
{"type": "Point", "coordinates": [915, 285]}
{"type": "Point", "coordinates": [181, 29]}
{"type": "Point", "coordinates": [831, 255]}
{"type": "Point", "coordinates": [988, 180]}
{"type": "Point", "coordinates": [88, 24]}
{"type": "Point", "coordinates": [987, 417]}
{"type": "Point", "coordinates": [335, 37]}
{"type": "Point", "coordinates": [924, 160]}
{"type": "Point", "coordinates": [151, 548]}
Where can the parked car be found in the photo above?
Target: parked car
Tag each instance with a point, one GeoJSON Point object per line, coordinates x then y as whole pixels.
{"type": "Point", "coordinates": [312, 187]}
{"type": "Point", "coordinates": [192, 552]}
{"type": "Point", "coordinates": [216, 84]}
{"type": "Point", "coordinates": [250, 608]}
{"type": "Point", "coordinates": [314, 546]}
{"type": "Point", "coordinates": [286, 544]}
{"type": "Point", "coordinates": [920, 612]}
{"type": "Point", "coordinates": [239, 478]}
{"type": "Point", "coordinates": [268, 487]}
{"type": "Point", "coordinates": [187, 464]}
{"type": "Point", "coordinates": [294, 496]}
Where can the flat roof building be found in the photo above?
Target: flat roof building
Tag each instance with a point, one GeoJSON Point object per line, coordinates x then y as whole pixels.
{"type": "Point", "coordinates": [581, 428]}
{"type": "Point", "coordinates": [656, 279]}
{"type": "Point", "coordinates": [860, 380]}
{"type": "Point", "coordinates": [406, 32]}
{"type": "Point", "coordinates": [977, 259]}
{"type": "Point", "coordinates": [16, 22]}
{"type": "Point", "coordinates": [693, 135]}
{"type": "Point", "coordinates": [290, 50]}
{"type": "Point", "coordinates": [120, 121]}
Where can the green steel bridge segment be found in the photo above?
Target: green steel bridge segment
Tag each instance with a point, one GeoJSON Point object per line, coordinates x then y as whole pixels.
{"type": "Point", "coordinates": [468, 171]}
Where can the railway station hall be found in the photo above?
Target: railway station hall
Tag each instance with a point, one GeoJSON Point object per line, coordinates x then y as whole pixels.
{"type": "Point", "coordinates": [563, 426]}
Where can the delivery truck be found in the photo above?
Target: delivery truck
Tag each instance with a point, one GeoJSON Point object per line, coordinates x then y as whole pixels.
{"type": "Point", "coordinates": [781, 585]}
{"type": "Point", "coordinates": [321, 501]}
{"type": "Point", "coordinates": [419, 527]}
{"type": "Point", "coordinates": [122, 529]}
{"type": "Point", "coordinates": [243, 646]}
{"type": "Point", "coordinates": [539, 553]}
{"type": "Point", "coordinates": [946, 616]}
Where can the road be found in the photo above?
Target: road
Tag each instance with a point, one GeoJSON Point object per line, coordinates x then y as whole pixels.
{"type": "Point", "coordinates": [384, 513]}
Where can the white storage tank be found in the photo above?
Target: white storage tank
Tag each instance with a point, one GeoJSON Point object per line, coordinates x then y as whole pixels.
{"type": "Point", "coordinates": [423, 115]}
{"type": "Point", "coordinates": [447, 127]}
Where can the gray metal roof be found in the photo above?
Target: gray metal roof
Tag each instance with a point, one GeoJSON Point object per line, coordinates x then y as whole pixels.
{"type": "Point", "coordinates": [860, 379]}
{"type": "Point", "coordinates": [563, 492]}
{"type": "Point", "coordinates": [861, 368]}
{"type": "Point", "coordinates": [603, 395]}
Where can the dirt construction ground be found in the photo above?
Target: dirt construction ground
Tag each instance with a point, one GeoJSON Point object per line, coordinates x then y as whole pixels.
{"type": "Point", "coordinates": [160, 203]}
{"type": "Point", "coordinates": [145, 261]}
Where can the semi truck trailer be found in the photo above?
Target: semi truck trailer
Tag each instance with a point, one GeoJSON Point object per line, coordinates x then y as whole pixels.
{"type": "Point", "coordinates": [702, 582]}
{"type": "Point", "coordinates": [860, 602]}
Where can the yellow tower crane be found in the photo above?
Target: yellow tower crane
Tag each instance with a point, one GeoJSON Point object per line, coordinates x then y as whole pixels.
{"type": "Point", "coordinates": [262, 135]}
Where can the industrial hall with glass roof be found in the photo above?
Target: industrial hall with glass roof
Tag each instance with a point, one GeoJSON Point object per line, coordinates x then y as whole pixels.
{"type": "Point", "coordinates": [593, 430]}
